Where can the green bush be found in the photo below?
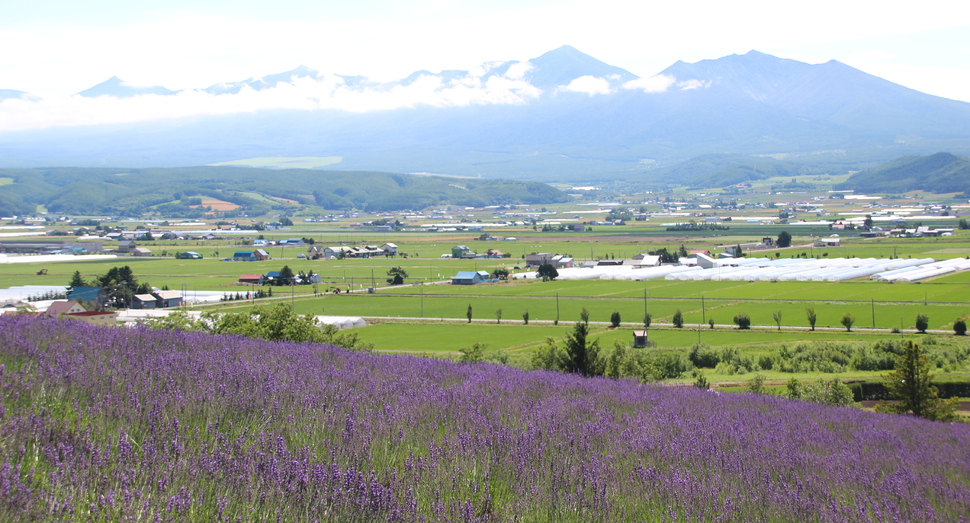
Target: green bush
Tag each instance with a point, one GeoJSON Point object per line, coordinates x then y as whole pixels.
{"type": "Point", "coordinates": [742, 320]}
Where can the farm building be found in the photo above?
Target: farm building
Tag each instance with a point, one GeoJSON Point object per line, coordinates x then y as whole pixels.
{"type": "Point", "coordinates": [144, 301]}
{"type": "Point", "coordinates": [536, 259]}
{"type": "Point", "coordinates": [140, 251]}
{"type": "Point", "coordinates": [256, 279]}
{"type": "Point", "coordinates": [260, 255]}
{"type": "Point", "coordinates": [243, 256]}
{"type": "Point", "coordinates": [469, 277]}
{"type": "Point", "coordinates": [337, 252]}
{"type": "Point", "coordinates": [461, 251]}
{"type": "Point", "coordinates": [168, 299]}
{"type": "Point", "coordinates": [828, 242]}
{"type": "Point", "coordinates": [390, 249]}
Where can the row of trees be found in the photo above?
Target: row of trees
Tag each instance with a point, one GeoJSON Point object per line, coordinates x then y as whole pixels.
{"type": "Point", "coordinates": [909, 384]}
{"type": "Point", "coordinates": [743, 321]}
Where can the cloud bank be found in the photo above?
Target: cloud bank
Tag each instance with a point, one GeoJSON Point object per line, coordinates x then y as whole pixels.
{"type": "Point", "coordinates": [502, 83]}
{"type": "Point", "coordinates": [328, 92]}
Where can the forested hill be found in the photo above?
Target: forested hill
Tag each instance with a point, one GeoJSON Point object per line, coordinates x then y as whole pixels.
{"type": "Point", "coordinates": [174, 191]}
{"type": "Point", "coordinates": [936, 173]}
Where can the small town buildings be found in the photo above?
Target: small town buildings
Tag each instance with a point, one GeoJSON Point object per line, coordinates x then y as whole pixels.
{"type": "Point", "coordinates": [315, 252]}
{"type": "Point", "coordinates": [469, 277]}
{"type": "Point", "coordinates": [126, 246]}
{"type": "Point", "coordinates": [389, 249]}
{"type": "Point", "coordinates": [140, 251]}
{"type": "Point", "coordinates": [243, 256]}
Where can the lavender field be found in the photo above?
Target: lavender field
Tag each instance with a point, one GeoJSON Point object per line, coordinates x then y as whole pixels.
{"type": "Point", "coordinates": [107, 424]}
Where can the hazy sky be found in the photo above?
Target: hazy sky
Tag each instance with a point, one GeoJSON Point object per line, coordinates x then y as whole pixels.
{"type": "Point", "coordinates": [55, 48]}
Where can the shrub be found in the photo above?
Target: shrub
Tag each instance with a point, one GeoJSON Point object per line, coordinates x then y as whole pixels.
{"type": "Point", "coordinates": [615, 319]}
{"type": "Point", "coordinates": [678, 319]}
{"type": "Point", "coordinates": [473, 354]}
{"type": "Point", "coordinates": [756, 385]}
{"type": "Point", "coordinates": [742, 320]}
{"type": "Point", "coordinates": [922, 323]}
{"type": "Point", "coordinates": [847, 321]}
{"type": "Point", "coordinates": [960, 327]}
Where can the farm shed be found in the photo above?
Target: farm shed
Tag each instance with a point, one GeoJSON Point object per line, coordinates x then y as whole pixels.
{"type": "Point", "coordinates": [168, 299]}
{"type": "Point", "coordinates": [243, 256]}
{"type": "Point", "coordinates": [143, 301]}
{"type": "Point", "coordinates": [469, 277]}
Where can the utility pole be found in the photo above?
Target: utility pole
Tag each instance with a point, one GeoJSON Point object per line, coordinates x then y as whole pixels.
{"type": "Point", "coordinates": [873, 305]}
{"type": "Point", "coordinates": [557, 308]}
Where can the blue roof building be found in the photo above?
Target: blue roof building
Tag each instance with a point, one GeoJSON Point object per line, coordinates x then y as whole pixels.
{"type": "Point", "coordinates": [469, 277]}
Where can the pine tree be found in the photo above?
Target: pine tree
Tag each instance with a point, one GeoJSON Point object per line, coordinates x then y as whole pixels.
{"type": "Point", "coordinates": [911, 384]}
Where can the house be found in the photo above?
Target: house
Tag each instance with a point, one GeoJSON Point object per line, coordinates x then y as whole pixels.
{"type": "Point", "coordinates": [389, 249]}
{"type": "Point", "coordinates": [143, 301]}
{"type": "Point", "coordinates": [140, 251]}
{"type": "Point", "coordinates": [461, 251]}
{"type": "Point", "coordinates": [366, 251]}
{"type": "Point", "coordinates": [94, 317]}
{"type": "Point", "coordinates": [256, 279]}
{"type": "Point", "coordinates": [469, 277]}
{"type": "Point", "coordinates": [168, 299]}
{"type": "Point", "coordinates": [126, 246]}
{"type": "Point", "coordinates": [337, 252]}
{"type": "Point", "coordinates": [536, 259]}
{"type": "Point", "coordinates": [243, 256]}
{"type": "Point", "coordinates": [260, 255]}
{"type": "Point", "coordinates": [63, 307]}
{"type": "Point", "coordinates": [314, 252]}
{"type": "Point", "coordinates": [189, 255]}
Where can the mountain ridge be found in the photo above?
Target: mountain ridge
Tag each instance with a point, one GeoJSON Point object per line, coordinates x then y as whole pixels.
{"type": "Point", "coordinates": [609, 125]}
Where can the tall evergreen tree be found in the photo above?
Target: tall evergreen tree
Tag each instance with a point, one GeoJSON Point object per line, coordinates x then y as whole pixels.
{"type": "Point", "coordinates": [911, 384]}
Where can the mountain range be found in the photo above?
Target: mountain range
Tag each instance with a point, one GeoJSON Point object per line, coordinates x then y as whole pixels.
{"type": "Point", "coordinates": [561, 116]}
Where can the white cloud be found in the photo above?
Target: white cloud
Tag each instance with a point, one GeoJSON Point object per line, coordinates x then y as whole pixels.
{"type": "Point", "coordinates": [653, 84]}
{"type": "Point", "coordinates": [688, 85]}
{"type": "Point", "coordinates": [517, 71]}
{"type": "Point", "coordinates": [329, 92]}
{"type": "Point", "coordinates": [589, 85]}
